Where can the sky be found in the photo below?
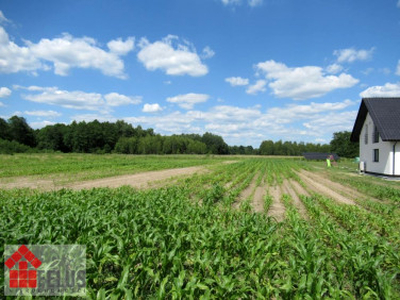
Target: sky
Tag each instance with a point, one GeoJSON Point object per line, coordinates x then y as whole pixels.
{"type": "Point", "coordinates": [248, 70]}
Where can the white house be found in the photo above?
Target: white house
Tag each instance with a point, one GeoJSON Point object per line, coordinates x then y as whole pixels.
{"type": "Point", "coordinates": [377, 129]}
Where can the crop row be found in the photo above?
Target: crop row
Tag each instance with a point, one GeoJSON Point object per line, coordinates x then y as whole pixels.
{"type": "Point", "coordinates": [188, 241]}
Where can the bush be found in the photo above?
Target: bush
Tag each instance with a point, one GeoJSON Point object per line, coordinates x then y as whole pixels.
{"type": "Point", "coordinates": [10, 147]}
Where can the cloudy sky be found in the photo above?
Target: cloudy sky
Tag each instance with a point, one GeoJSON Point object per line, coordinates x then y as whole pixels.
{"type": "Point", "coordinates": [247, 70]}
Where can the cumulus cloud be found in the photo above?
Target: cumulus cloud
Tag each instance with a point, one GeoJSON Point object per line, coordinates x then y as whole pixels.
{"type": "Point", "coordinates": [249, 125]}
{"type": "Point", "coordinates": [4, 92]}
{"type": "Point", "coordinates": [152, 108]}
{"type": "Point", "coordinates": [256, 88]}
{"type": "Point", "coordinates": [302, 82]}
{"type": "Point", "coordinates": [63, 53]}
{"type": "Point", "coordinates": [387, 90]}
{"type": "Point", "coordinates": [171, 56]}
{"type": "Point", "coordinates": [67, 99]}
{"type": "Point", "coordinates": [350, 55]}
{"type": "Point", "coordinates": [76, 99]}
{"type": "Point", "coordinates": [187, 101]}
{"type": "Point", "coordinates": [41, 124]}
{"type": "Point", "coordinates": [237, 81]}
{"type": "Point", "coordinates": [121, 47]}
{"type": "Point", "coordinates": [14, 59]}
{"type": "Point", "coordinates": [69, 52]}
{"type": "Point", "coordinates": [115, 99]}
{"type": "Point", "coordinates": [292, 112]}
{"type": "Point", "coordinates": [43, 113]}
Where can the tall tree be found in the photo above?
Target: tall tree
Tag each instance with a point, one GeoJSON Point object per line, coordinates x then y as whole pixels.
{"type": "Point", "coordinates": [342, 146]}
{"type": "Point", "coordinates": [215, 143]}
{"type": "Point", "coordinates": [4, 130]}
{"type": "Point", "coordinates": [20, 131]}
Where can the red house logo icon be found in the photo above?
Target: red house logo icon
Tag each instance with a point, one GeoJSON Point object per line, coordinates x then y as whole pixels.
{"type": "Point", "coordinates": [22, 277]}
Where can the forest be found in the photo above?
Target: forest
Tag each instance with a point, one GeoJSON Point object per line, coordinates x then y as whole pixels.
{"type": "Point", "coordinates": [16, 136]}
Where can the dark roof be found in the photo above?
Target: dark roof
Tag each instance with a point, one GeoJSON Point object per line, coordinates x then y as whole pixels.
{"type": "Point", "coordinates": [319, 156]}
{"type": "Point", "coordinates": [385, 112]}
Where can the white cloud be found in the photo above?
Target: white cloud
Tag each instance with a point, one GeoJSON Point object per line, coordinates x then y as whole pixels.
{"type": "Point", "coordinates": [387, 90]}
{"type": "Point", "coordinates": [115, 99]}
{"type": "Point", "coordinates": [152, 108]}
{"type": "Point", "coordinates": [179, 59]}
{"type": "Point", "coordinates": [68, 99]}
{"type": "Point", "coordinates": [292, 112]}
{"type": "Point", "coordinates": [77, 99]}
{"type": "Point", "coordinates": [4, 92]}
{"type": "Point", "coordinates": [120, 47]}
{"type": "Point", "coordinates": [334, 68]}
{"type": "Point", "coordinates": [254, 3]}
{"type": "Point", "coordinates": [69, 52]}
{"type": "Point", "coordinates": [398, 68]}
{"type": "Point", "coordinates": [64, 53]}
{"type": "Point", "coordinates": [398, 4]}
{"type": "Point", "coordinates": [351, 54]}
{"type": "Point", "coordinates": [302, 82]}
{"type": "Point", "coordinates": [237, 81]}
{"type": "Point", "coordinates": [14, 59]}
{"type": "Point", "coordinates": [91, 117]}
{"type": "Point", "coordinates": [256, 88]}
{"type": "Point", "coordinates": [330, 122]}
{"type": "Point", "coordinates": [207, 53]}
{"type": "Point", "coordinates": [43, 113]}
{"type": "Point", "coordinates": [187, 101]}
{"type": "Point", "coordinates": [249, 125]}
{"type": "Point", "coordinates": [40, 124]}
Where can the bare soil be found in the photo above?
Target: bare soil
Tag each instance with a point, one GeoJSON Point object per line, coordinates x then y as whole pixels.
{"type": "Point", "coordinates": [313, 182]}
{"type": "Point", "coordinates": [139, 180]}
{"type": "Point", "coordinates": [277, 209]}
{"type": "Point", "coordinates": [246, 193]}
{"type": "Point", "coordinates": [287, 186]}
{"type": "Point", "coordinates": [258, 199]}
{"type": "Point", "coordinates": [28, 182]}
{"type": "Point", "coordinates": [345, 190]}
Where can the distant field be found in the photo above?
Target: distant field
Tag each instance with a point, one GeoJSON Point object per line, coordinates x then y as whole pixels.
{"type": "Point", "coordinates": [257, 228]}
{"type": "Point", "coordinates": [74, 167]}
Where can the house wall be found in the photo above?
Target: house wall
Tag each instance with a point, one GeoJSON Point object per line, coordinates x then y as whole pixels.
{"type": "Point", "coordinates": [385, 164]}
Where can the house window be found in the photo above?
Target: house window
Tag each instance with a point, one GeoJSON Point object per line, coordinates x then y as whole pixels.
{"type": "Point", "coordinates": [376, 155]}
{"type": "Point", "coordinates": [366, 135]}
{"type": "Point", "coordinates": [376, 135]}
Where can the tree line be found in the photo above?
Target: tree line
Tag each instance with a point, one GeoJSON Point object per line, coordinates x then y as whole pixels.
{"type": "Point", "coordinates": [120, 137]}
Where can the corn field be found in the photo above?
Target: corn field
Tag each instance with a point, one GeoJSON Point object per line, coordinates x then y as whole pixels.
{"type": "Point", "coordinates": [256, 228]}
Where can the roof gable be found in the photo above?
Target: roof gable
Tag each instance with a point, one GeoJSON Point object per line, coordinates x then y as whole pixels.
{"type": "Point", "coordinates": [385, 113]}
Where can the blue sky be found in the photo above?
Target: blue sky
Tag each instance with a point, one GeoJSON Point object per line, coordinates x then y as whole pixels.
{"type": "Point", "coordinates": [248, 70]}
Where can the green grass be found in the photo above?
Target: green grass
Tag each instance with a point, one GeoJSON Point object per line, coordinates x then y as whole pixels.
{"type": "Point", "coordinates": [91, 166]}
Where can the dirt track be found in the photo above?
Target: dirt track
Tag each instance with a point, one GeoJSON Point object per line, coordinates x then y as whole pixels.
{"type": "Point", "coordinates": [139, 180]}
